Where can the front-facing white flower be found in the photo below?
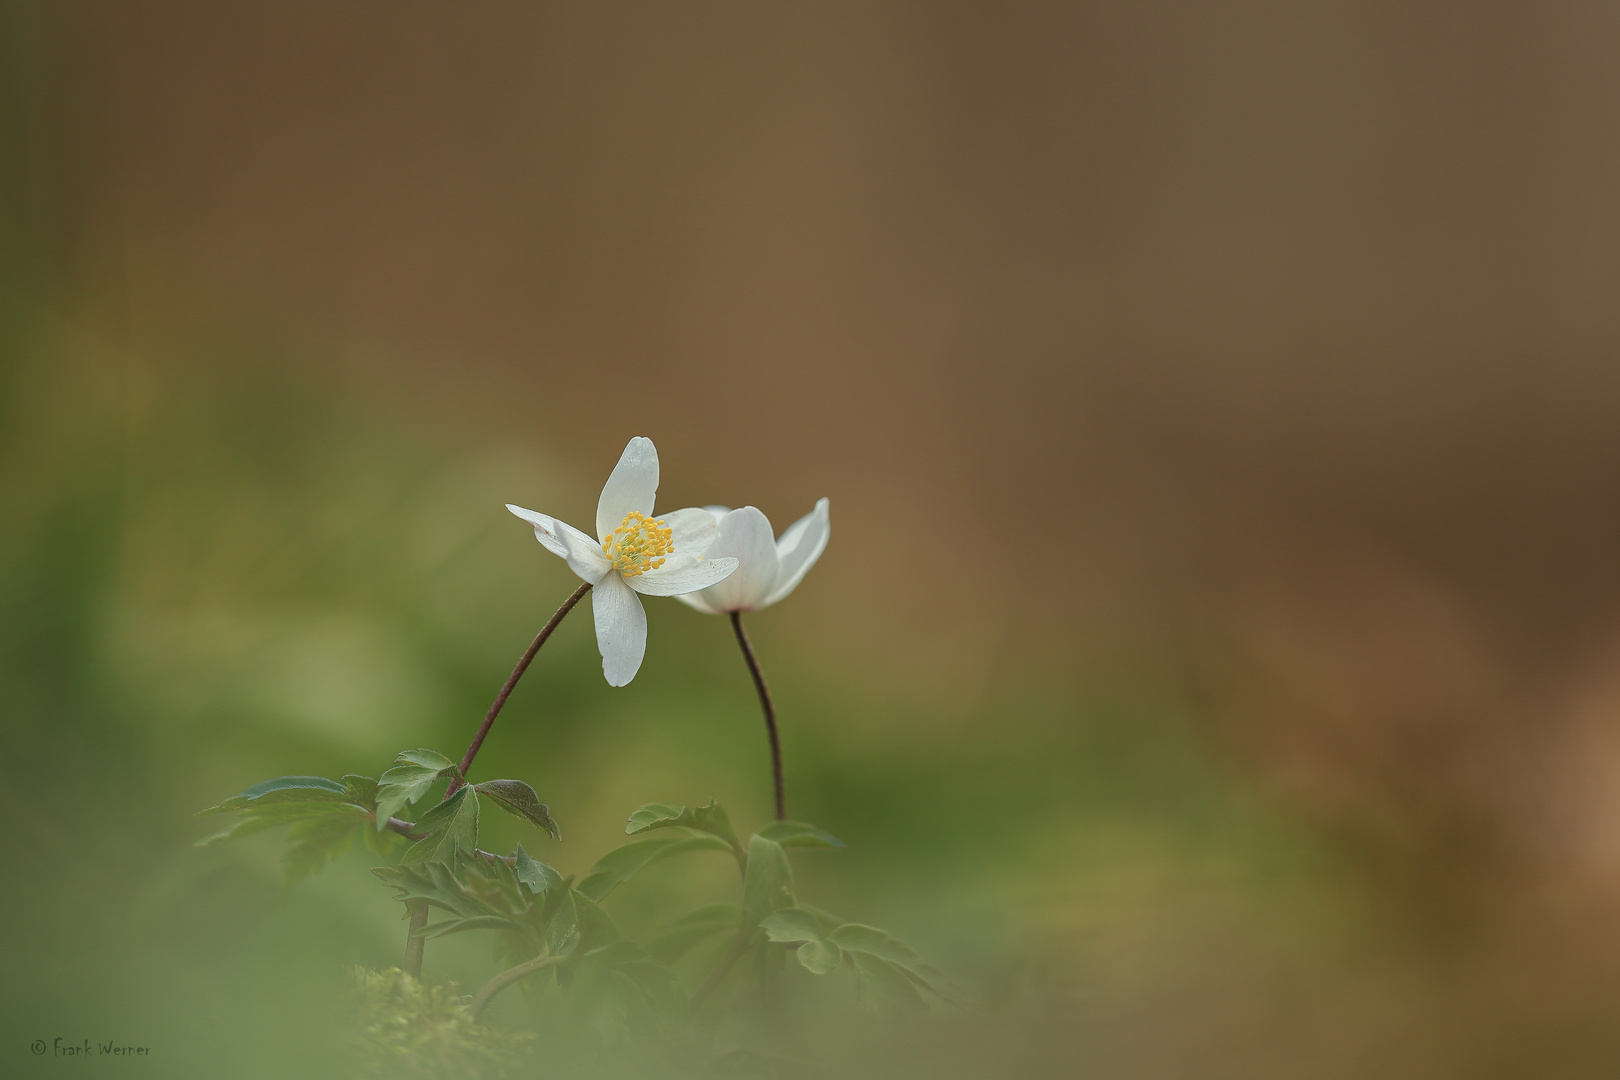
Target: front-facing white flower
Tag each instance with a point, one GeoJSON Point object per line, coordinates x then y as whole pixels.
{"type": "Point", "coordinates": [636, 553]}
{"type": "Point", "coordinates": [770, 568]}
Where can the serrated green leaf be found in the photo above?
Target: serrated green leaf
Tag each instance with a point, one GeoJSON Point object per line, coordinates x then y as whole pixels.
{"type": "Point", "coordinates": [799, 834]}
{"type": "Point", "coordinates": [520, 800]}
{"type": "Point", "coordinates": [535, 874]}
{"type": "Point", "coordinates": [449, 830]}
{"type": "Point", "coordinates": [768, 881]}
{"type": "Point", "coordinates": [623, 863]}
{"type": "Point", "coordinates": [674, 940]}
{"type": "Point", "coordinates": [710, 819]}
{"type": "Point", "coordinates": [282, 783]}
{"type": "Point", "coordinates": [413, 773]}
{"type": "Point", "coordinates": [312, 843]}
{"type": "Point", "coordinates": [476, 922]}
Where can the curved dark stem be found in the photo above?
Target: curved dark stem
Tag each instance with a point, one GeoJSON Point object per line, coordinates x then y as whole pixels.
{"type": "Point", "coordinates": [507, 978]}
{"type": "Point", "coordinates": [511, 681]}
{"type": "Point", "coordinates": [413, 939]}
{"type": "Point", "coordinates": [770, 711]}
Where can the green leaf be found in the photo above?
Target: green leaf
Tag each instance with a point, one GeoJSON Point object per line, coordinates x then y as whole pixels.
{"type": "Point", "coordinates": [476, 922]}
{"type": "Point", "coordinates": [795, 924]}
{"type": "Point", "coordinates": [362, 790]}
{"type": "Point", "coordinates": [768, 881]}
{"type": "Point", "coordinates": [674, 940]}
{"type": "Point", "coordinates": [562, 935]}
{"type": "Point", "coordinates": [596, 927]}
{"type": "Point", "coordinates": [315, 841]}
{"type": "Point", "coordinates": [799, 834]}
{"type": "Point", "coordinates": [790, 925]}
{"type": "Point", "coordinates": [518, 798]}
{"type": "Point", "coordinates": [535, 874]}
{"type": "Point", "coordinates": [435, 885]}
{"type": "Point", "coordinates": [884, 986]}
{"type": "Point", "coordinates": [819, 957]}
{"type": "Point", "coordinates": [623, 863]}
{"type": "Point", "coordinates": [413, 773]}
{"type": "Point", "coordinates": [868, 941]}
{"type": "Point", "coordinates": [284, 789]}
{"type": "Point", "coordinates": [711, 819]}
{"type": "Point", "coordinates": [449, 830]}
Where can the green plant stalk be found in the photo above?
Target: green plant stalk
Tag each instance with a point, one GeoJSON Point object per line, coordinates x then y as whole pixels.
{"type": "Point", "coordinates": [413, 940]}
{"type": "Point", "coordinates": [507, 978]}
{"type": "Point", "coordinates": [770, 711]}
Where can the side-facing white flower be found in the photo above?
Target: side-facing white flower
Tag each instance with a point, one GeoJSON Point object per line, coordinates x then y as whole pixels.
{"type": "Point", "coordinates": [770, 569]}
{"type": "Point", "coordinates": [636, 553]}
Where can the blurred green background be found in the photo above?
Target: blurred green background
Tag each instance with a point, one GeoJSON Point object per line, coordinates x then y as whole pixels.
{"type": "Point", "coordinates": [1216, 663]}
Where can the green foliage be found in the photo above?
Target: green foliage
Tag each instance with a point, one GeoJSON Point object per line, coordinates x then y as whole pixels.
{"type": "Point", "coordinates": [677, 938]}
{"type": "Point", "coordinates": [535, 874]}
{"type": "Point", "coordinates": [414, 1030]}
{"type": "Point", "coordinates": [711, 819]}
{"type": "Point", "coordinates": [798, 834]}
{"type": "Point", "coordinates": [448, 831]}
{"type": "Point", "coordinates": [768, 881]}
{"type": "Point", "coordinates": [413, 772]}
{"type": "Point", "coordinates": [623, 863]}
{"type": "Point", "coordinates": [314, 841]}
{"type": "Point", "coordinates": [520, 800]}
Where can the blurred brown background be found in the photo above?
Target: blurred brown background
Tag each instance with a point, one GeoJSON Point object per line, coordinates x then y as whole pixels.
{"type": "Point", "coordinates": [1268, 348]}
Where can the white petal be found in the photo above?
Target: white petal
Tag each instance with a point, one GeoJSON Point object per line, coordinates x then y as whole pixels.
{"type": "Point", "coordinates": [678, 576]}
{"type": "Point", "coordinates": [745, 535]}
{"type": "Point", "coordinates": [621, 629]}
{"type": "Point", "coordinates": [631, 486]}
{"type": "Point", "coordinates": [545, 529]}
{"type": "Point", "coordinates": [584, 555]}
{"type": "Point", "coordinates": [798, 549]}
{"type": "Point", "coordinates": [695, 600]}
{"type": "Point", "coordinates": [691, 529]}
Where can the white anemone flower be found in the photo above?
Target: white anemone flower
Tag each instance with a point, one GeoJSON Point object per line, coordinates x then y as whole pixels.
{"type": "Point", "coordinates": [634, 553]}
{"type": "Point", "coordinates": [770, 569]}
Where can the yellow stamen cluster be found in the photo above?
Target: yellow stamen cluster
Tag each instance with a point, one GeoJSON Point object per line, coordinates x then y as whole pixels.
{"type": "Point", "coordinates": [639, 544]}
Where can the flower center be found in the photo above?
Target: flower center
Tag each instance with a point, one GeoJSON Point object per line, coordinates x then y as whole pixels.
{"type": "Point", "coordinates": [639, 544]}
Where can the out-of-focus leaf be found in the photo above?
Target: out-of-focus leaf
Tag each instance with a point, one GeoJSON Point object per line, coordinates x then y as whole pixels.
{"type": "Point", "coordinates": [535, 874]}
{"type": "Point", "coordinates": [623, 863]}
{"type": "Point", "coordinates": [521, 800]}
{"type": "Point", "coordinates": [562, 935]}
{"type": "Point", "coordinates": [674, 940]}
{"type": "Point", "coordinates": [799, 834]}
{"type": "Point", "coordinates": [362, 790]}
{"type": "Point", "coordinates": [768, 881]}
{"type": "Point", "coordinates": [819, 956]}
{"type": "Point", "coordinates": [795, 924]}
{"type": "Point", "coordinates": [711, 819]}
{"type": "Point", "coordinates": [596, 927]}
{"type": "Point", "coordinates": [315, 841]}
{"type": "Point", "coordinates": [449, 830]}
{"type": "Point", "coordinates": [284, 789]}
{"type": "Point", "coordinates": [790, 925]}
{"type": "Point", "coordinates": [884, 986]}
{"type": "Point", "coordinates": [413, 773]}
{"type": "Point", "coordinates": [868, 941]}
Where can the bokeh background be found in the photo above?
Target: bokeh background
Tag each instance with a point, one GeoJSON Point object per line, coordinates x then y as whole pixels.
{"type": "Point", "coordinates": [1216, 662]}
